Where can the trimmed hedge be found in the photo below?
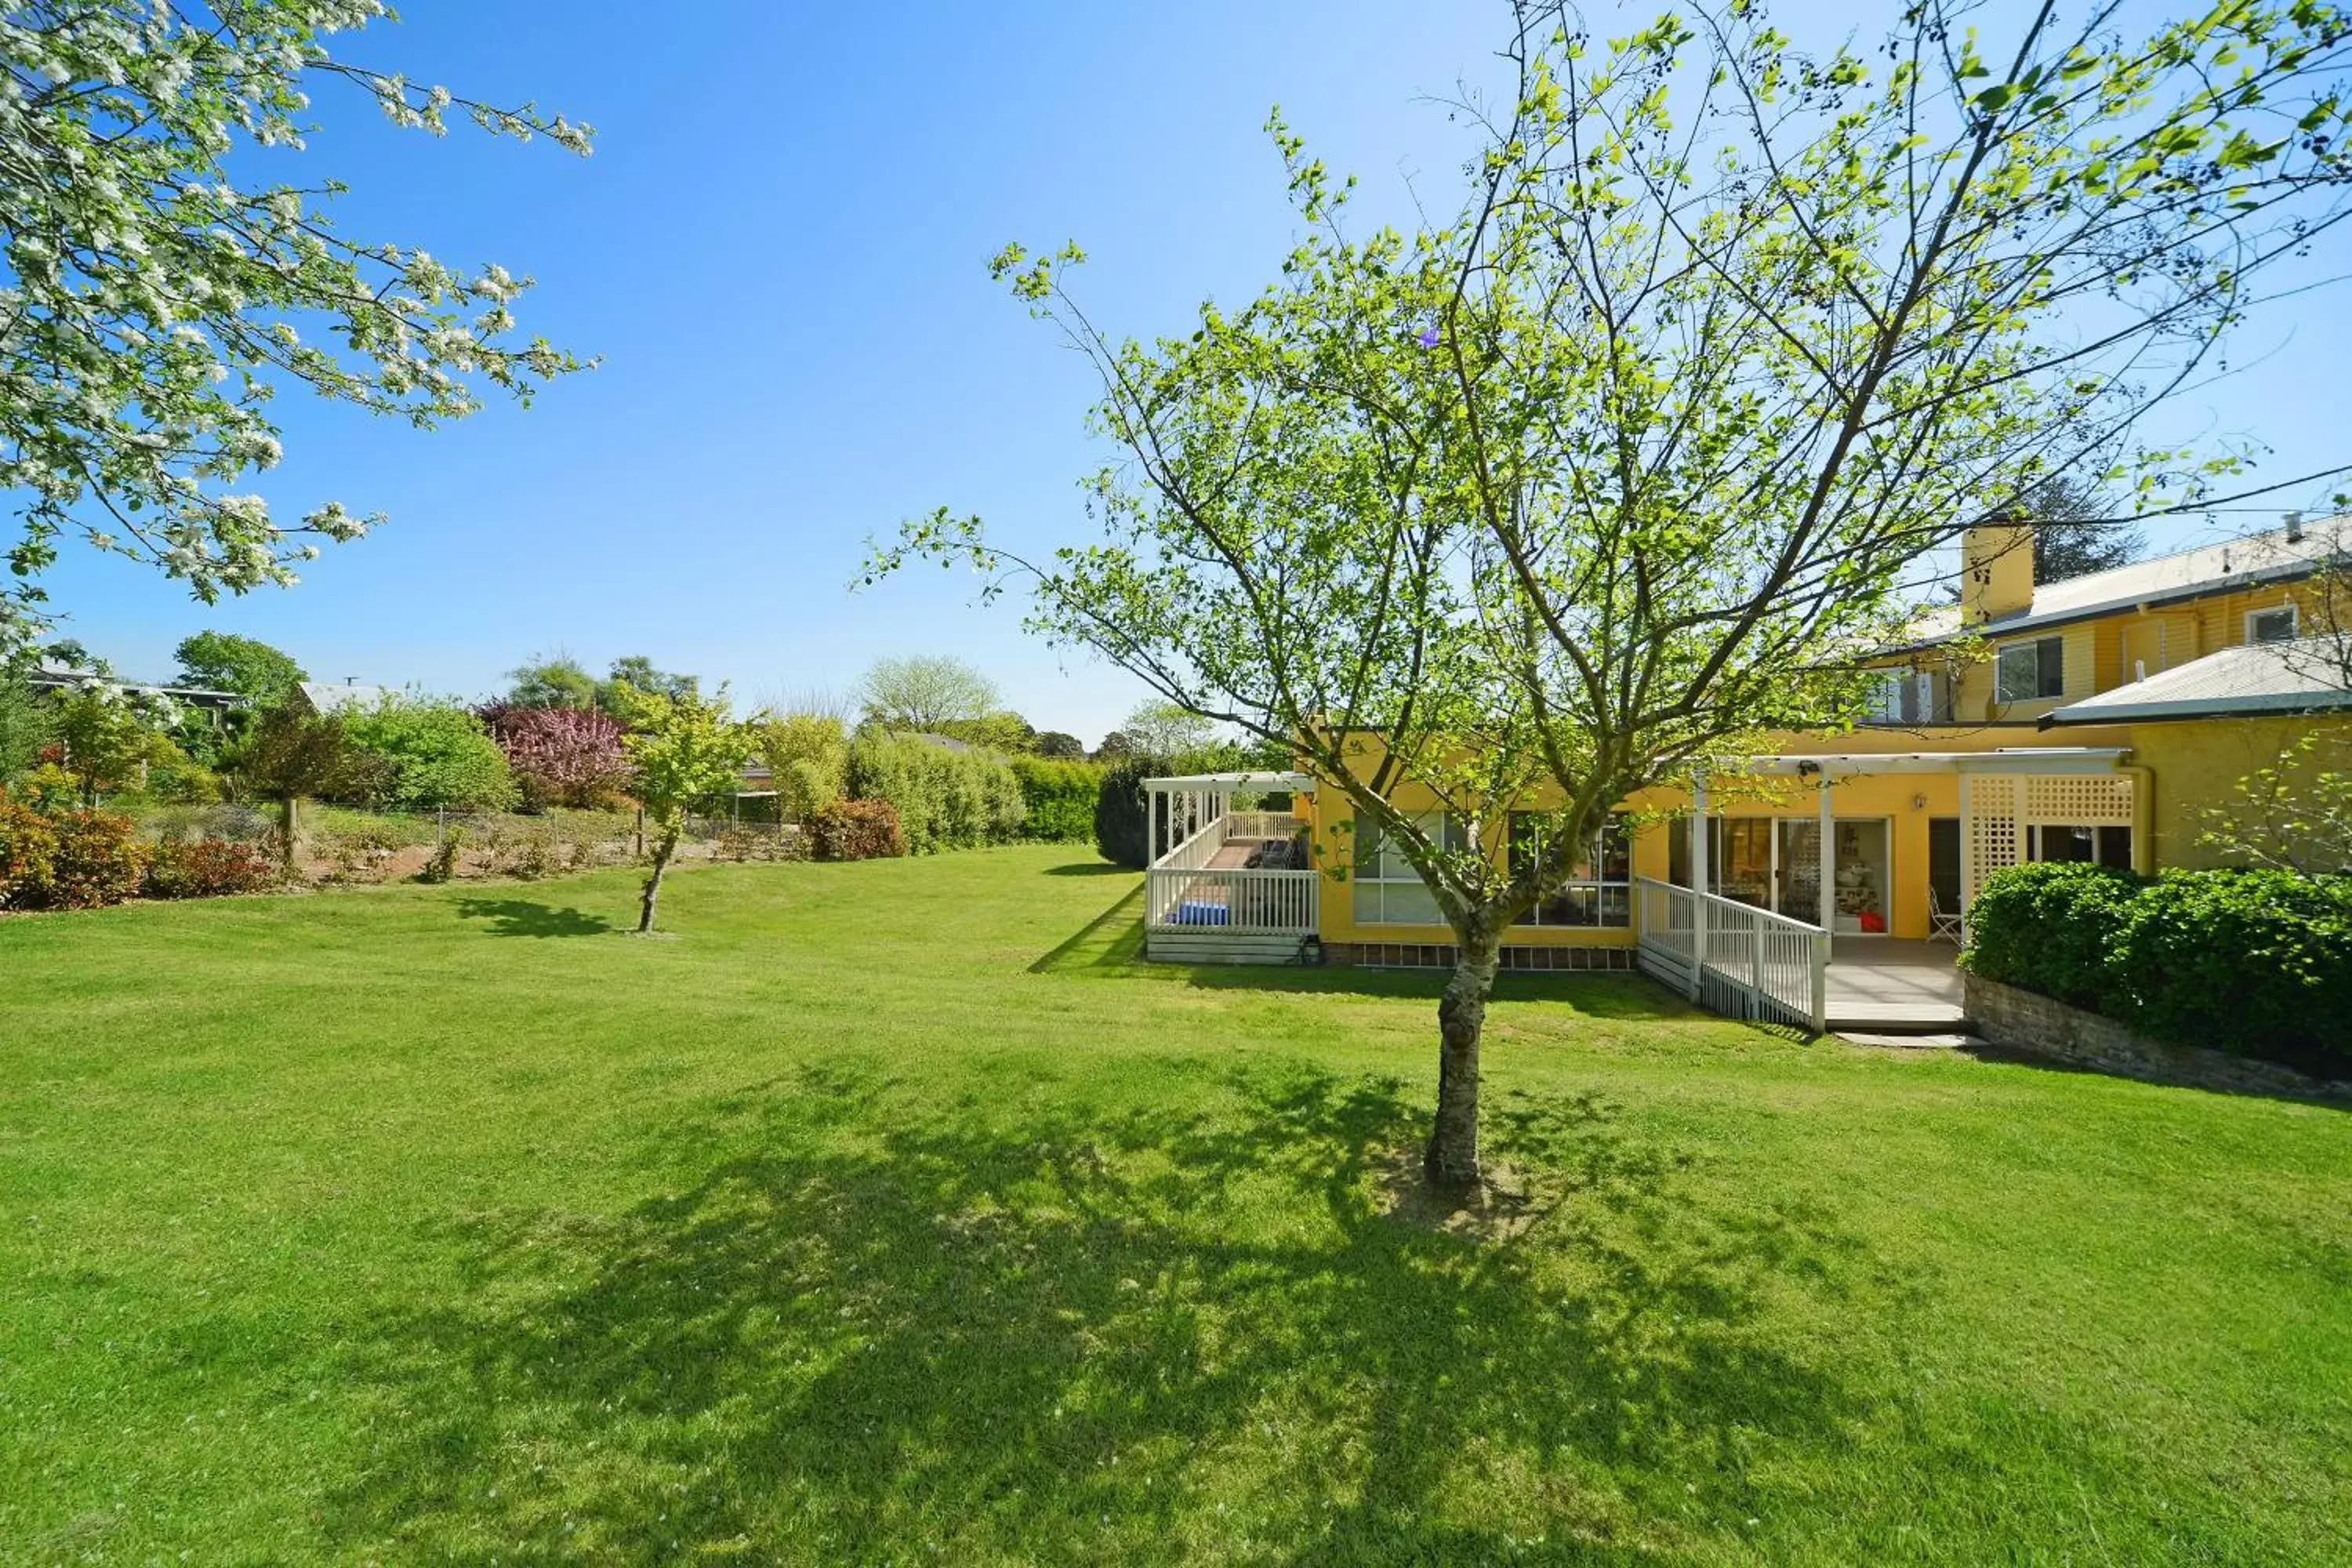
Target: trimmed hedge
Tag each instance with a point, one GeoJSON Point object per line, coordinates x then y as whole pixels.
{"type": "Point", "coordinates": [1061, 797]}
{"type": "Point", "coordinates": [2255, 963]}
{"type": "Point", "coordinates": [2051, 927]}
{"type": "Point", "coordinates": [854, 830]}
{"type": "Point", "coordinates": [946, 799]}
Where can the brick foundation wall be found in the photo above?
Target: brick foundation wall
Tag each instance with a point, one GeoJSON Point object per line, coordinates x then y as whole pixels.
{"type": "Point", "coordinates": [2040, 1026]}
{"type": "Point", "coordinates": [1441, 955]}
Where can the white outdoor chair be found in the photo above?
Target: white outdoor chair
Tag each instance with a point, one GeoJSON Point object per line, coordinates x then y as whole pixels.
{"type": "Point", "coordinates": [1942, 922]}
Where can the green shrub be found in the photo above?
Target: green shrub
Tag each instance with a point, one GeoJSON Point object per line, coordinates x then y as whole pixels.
{"type": "Point", "coordinates": [430, 755]}
{"type": "Point", "coordinates": [2253, 962]}
{"type": "Point", "coordinates": [1060, 797]}
{"type": "Point", "coordinates": [856, 830]}
{"type": "Point", "coordinates": [28, 850]}
{"type": "Point", "coordinates": [208, 868]}
{"type": "Point", "coordinates": [945, 798]}
{"type": "Point", "coordinates": [2051, 927]}
{"type": "Point", "coordinates": [441, 866]}
{"type": "Point", "coordinates": [98, 861]}
{"type": "Point", "coordinates": [1123, 815]}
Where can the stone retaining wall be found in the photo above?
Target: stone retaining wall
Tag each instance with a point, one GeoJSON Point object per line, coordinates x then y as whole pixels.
{"type": "Point", "coordinates": [2040, 1026]}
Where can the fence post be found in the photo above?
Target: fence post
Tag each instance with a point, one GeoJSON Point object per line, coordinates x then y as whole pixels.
{"type": "Point", "coordinates": [1755, 968]}
{"type": "Point", "coordinates": [1822, 983]}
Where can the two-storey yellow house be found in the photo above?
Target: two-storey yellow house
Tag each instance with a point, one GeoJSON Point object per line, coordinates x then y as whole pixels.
{"type": "Point", "coordinates": [2099, 718]}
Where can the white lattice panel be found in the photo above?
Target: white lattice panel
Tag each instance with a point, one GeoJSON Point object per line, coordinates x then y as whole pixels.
{"type": "Point", "coordinates": [1996, 835]}
{"type": "Point", "coordinates": [2087, 801]}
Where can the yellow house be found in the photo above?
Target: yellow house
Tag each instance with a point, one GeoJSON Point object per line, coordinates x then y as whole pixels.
{"type": "Point", "coordinates": [2094, 718]}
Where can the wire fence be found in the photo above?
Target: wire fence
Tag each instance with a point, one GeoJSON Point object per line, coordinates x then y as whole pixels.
{"type": "Point", "coordinates": [341, 844]}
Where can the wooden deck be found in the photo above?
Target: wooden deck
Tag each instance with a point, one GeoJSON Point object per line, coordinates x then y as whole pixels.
{"type": "Point", "coordinates": [1887, 985]}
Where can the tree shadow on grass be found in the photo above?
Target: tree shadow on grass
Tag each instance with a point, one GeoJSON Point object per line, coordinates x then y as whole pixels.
{"type": "Point", "coordinates": [902, 1326]}
{"type": "Point", "coordinates": [524, 917]}
{"type": "Point", "coordinates": [1090, 869]}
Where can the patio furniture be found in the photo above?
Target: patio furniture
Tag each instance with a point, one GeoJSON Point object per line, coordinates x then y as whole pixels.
{"type": "Point", "coordinates": [1942, 922]}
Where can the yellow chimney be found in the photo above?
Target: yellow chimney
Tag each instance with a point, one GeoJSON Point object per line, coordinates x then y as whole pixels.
{"type": "Point", "coordinates": [1997, 579]}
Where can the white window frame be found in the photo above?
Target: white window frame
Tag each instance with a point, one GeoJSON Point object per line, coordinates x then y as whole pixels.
{"type": "Point", "coordinates": [2001, 691]}
{"type": "Point", "coordinates": [1387, 869]}
{"type": "Point", "coordinates": [2293, 622]}
{"type": "Point", "coordinates": [1600, 884]}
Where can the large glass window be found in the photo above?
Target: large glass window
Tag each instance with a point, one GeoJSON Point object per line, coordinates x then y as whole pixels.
{"type": "Point", "coordinates": [1739, 858]}
{"type": "Point", "coordinates": [1389, 892]}
{"type": "Point", "coordinates": [2026, 670]}
{"type": "Point", "coordinates": [1600, 887]}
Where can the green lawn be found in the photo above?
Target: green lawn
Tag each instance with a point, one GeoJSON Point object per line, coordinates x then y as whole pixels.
{"type": "Point", "coordinates": [891, 1213]}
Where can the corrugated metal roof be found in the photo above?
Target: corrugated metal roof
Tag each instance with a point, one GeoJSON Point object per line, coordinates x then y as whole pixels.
{"type": "Point", "coordinates": [2187, 574]}
{"type": "Point", "coordinates": [2296, 676]}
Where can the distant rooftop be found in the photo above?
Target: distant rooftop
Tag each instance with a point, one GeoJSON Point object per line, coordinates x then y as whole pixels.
{"type": "Point", "coordinates": [333, 697]}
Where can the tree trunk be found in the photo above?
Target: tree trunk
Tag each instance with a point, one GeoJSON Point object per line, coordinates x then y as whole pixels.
{"type": "Point", "coordinates": [1452, 1160]}
{"type": "Point", "coordinates": [665, 846]}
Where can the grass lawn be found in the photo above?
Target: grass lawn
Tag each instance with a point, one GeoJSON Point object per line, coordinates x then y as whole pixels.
{"type": "Point", "coordinates": [892, 1213]}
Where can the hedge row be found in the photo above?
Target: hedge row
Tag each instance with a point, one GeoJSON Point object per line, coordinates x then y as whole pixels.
{"type": "Point", "coordinates": [2256, 963]}
{"type": "Point", "coordinates": [945, 798]}
{"type": "Point", "coordinates": [85, 859]}
{"type": "Point", "coordinates": [1060, 797]}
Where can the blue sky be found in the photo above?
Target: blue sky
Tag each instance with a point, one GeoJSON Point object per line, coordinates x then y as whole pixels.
{"type": "Point", "coordinates": [779, 249]}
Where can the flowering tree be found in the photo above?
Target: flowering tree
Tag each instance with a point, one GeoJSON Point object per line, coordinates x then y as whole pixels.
{"type": "Point", "coordinates": [682, 747]}
{"type": "Point", "coordinates": [560, 757]}
{"type": "Point", "coordinates": [152, 306]}
{"type": "Point", "coordinates": [1609, 472]}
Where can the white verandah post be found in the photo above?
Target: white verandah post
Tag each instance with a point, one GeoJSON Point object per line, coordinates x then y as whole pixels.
{"type": "Point", "coordinates": [1828, 905]}
{"type": "Point", "coordinates": [1699, 885]}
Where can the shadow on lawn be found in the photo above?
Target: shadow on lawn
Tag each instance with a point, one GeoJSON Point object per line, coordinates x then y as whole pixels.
{"type": "Point", "coordinates": [521, 917]}
{"type": "Point", "coordinates": [1152, 1335]}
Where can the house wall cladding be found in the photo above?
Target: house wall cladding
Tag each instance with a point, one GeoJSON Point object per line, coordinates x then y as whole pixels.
{"type": "Point", "coordinates": [2027, 1021]}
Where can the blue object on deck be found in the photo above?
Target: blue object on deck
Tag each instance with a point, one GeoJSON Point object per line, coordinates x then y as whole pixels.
{"type": "Point", "coordinates": [1194, 913]}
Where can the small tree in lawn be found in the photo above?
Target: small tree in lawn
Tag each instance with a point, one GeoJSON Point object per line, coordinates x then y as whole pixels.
{"type": "Point", "coordinates": [683, 747]}
{"type": "Point", "coordinates": [1608, 474]}
{"type": "Point", "coordinates": [288, 755]}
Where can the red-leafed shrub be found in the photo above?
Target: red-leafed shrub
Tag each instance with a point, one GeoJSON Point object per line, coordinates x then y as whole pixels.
{"type": "Point", "coordinates": [562, 756]}
{"type": "Point", "coordinates": [98, 861]}
{"type": "Point", "coordinates": [28, 848]}
{"type": "Point", "coordinates": [208, 868]}
{"type": "Point", "coordinates": [856, 830]}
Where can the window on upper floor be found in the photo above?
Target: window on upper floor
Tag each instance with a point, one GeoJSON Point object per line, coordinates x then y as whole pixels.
{"type": "Point", "coordinates": [2023, 671]}
{"type": "Point", "coordinates": [1911, 697]}
{"type": "Point", "coordinates": [1598, 890]}
{"type": "Point", "coordinates": [1389, 892]}
{"type": "Point", "coordinates": [2277, 624]}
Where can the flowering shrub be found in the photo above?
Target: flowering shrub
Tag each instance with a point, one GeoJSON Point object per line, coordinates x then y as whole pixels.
{"type": "Point", "coordinates": [28, 848]}
{"type": "Point", "coordinates": [209, 867]}
{"type": "Point", "coordinates": [856, 830]}
{"type": "Point", "coordinates": [562, 756]}
{"type": "Point", "coordinates": [98, 861]}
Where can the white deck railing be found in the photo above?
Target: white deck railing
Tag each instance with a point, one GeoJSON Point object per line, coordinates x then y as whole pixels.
{"type": "Point", "coordinates": [1183, 893]}
{"type": "Point", "coordinates": [1758, 964]}
{"type": "Point", "coordinates": [1245, 903]}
